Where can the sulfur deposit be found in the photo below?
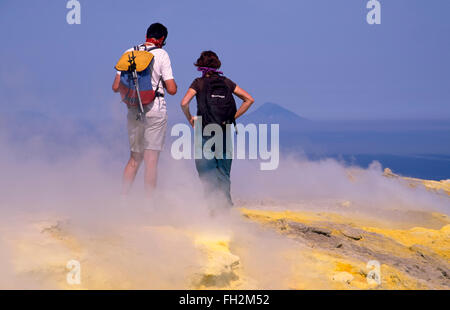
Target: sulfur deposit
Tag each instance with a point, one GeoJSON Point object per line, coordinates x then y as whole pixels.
{"type": "Point", "coordinates": [264, 244]}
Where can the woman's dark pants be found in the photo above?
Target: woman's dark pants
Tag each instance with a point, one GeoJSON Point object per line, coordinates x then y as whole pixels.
{"type": "Point", "coordinates": [215, 176]}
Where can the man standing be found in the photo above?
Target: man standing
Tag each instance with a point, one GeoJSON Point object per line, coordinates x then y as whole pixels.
{"type": "Point", "coordinates": [147, 136]}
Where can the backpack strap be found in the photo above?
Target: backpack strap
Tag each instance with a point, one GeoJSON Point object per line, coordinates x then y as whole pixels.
{"type": "Point", "coordinates": [149, 49]}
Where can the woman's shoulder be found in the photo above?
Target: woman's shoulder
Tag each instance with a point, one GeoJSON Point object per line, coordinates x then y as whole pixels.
{"type": "Point", "coordinates": [226, 78]}
{"type": "Point", "coordinates": [229, 82]}
{"type": "Point", "coordinates": [196, 83]}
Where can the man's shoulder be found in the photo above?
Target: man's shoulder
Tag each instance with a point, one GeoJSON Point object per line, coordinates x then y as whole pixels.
{"type": "Point", "coordinates": [160, 52]}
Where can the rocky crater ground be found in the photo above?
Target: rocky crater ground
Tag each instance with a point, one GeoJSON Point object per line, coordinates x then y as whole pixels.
{"type": "Point", "coordinates": [269, 244]}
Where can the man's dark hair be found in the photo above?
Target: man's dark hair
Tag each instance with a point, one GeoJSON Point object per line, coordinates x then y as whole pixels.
{"type": "Point", "coordinates": [157, 31]}
{"type": "Point", "coordinates": [208, 59]}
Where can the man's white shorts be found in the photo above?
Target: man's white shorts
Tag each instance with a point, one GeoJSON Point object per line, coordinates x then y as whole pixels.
{"type": "Point", "coordinates": [147, 134]}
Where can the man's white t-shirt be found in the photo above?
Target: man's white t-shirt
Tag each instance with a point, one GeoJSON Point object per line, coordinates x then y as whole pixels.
{"type": "Point", "coordinates": [161, 68]}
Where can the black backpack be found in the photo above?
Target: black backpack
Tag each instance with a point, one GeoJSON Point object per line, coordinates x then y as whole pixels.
{"type": "Point", "coordinates": [216, 103]}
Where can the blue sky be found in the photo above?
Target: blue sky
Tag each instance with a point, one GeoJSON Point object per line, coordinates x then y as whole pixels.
{"type": "Point", "coordinates": [318, 58]}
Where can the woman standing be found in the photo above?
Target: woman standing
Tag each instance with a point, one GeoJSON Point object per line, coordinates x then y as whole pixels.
{"type": "Point", "coordinates": [216, 105]}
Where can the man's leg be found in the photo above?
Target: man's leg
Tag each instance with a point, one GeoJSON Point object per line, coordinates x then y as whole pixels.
{"type": "Point", "coordinates": [131, 169]}
{"type": "Point", "coordinates": [151, 162]}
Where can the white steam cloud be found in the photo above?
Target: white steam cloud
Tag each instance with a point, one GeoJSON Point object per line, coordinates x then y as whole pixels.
{"type": "Point", "coordinates": [148, 244]}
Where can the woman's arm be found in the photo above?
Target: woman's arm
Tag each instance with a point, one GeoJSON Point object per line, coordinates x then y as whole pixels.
{"type": "Point", "coordinates": [248, 101]}
{"type": "Point", "coordinates": [185, 105]}
{"type": "Point", "coordinates": [115, 86]}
